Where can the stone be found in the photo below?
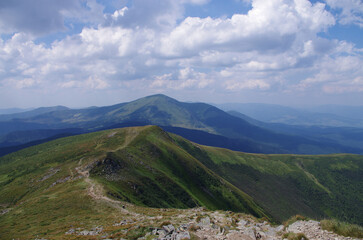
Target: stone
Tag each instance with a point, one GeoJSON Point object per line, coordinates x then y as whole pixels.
{"type": "Point", "coordinates": [169, 228]}
{"type": "Point", "coordinates": [183, 235]}
{"type": "Point", "coordinates": [205, 222]}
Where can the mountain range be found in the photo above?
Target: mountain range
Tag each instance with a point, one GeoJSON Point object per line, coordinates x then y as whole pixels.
{"type": "Point", "coordinates": [199, 122]}
{"type": "Point", "coordinates": [325, 115]}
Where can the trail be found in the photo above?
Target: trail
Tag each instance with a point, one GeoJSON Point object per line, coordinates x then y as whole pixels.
{"type": "Point", "coordinates": [95, 190]}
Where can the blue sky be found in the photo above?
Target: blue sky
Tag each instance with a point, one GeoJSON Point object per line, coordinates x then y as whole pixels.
{"type": "Point", "coordinates": [80, 53]}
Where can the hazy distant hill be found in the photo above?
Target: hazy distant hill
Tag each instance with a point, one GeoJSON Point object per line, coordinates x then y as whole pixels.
{"type": "Point", "coordinates": [31, 113]}
{"type": "Point", "coordinates": [58, 183]}
{"type": "Point", "coordinates": [347, 136]}
{"type": "Point", "coordinates": [167, 112]}
{"type": "Point", "coordinates": [328, 115]}
{"type": "Point", "coordinates": [353, 112]}
{"type": "Point", "coordinates": [13, 110]}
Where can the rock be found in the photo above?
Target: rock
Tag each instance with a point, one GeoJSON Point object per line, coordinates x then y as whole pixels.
{"type": "Point", "coordinates": [238, 235]}
{"type": "Point", "coordinates": [87, 233]}
{"type": "Point", "coordinates": [279, 228]}
{"type": "Point", "coordinates": [242, 223]}
{"type": "Point", "coordinates": [204, 222]}
{"type": "Point", "coordinates": [161, 233]}
{"type": "Point", "coordinates": [250, 232]}
{"type": "Point", "coordinates": [70, 231]}
{"type": "Point", "coordinates": [169, 228]}
{"type": "Point", "coordinates": [184, 227]}
{"type": "Point", "coordinates": [183, 235]}
{"type": "Point", "coordinates": [168, 232]}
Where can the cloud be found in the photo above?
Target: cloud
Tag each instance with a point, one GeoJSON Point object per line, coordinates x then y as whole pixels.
{"type": "Point", "coordinates": [335, 75]}
{"type": "Point", "coordinates": [351, 11]}
{"type": "Point", "coordinates": [147, 14]}
{"type": "Point", "coordinates": [40, 17]}
{"type": "Point", "coordinates": [150, 46]}
{"type": "Point", "coordinates": [351, 86]}
{"type": "Point", "coordinates": [268, 26]}
{"type": "Point", "coordinates": [247, 84]}
{"type": "Point", "coordinates": [186, 78]}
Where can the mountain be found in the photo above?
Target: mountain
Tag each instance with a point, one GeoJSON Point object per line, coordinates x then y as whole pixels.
{"type": "Point", "coordinates": [80, 181]}
{"type": "Point", "coordinates": [354, 112]}
{"type": "Point", "coordinates": [329, 115]}
{"type": "Point", "coordinates": [31, 113]}
{"type": "Point", "coordinates": [13, 110]}
{"type": "Point", "coordinates": [167, 112]}
{"type": "Point", "coordinates": [346, 136]}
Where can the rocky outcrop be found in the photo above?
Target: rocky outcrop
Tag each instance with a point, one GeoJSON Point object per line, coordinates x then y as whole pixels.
{"type": "Point", "coordinates": [312, 230]}
{"type": "Point", "coordinates": [201, 224]}
{"type": "Point", "coordinates": [169, 232]}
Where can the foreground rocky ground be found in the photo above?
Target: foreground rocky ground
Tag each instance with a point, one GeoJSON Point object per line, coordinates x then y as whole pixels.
{"type": "Point", "coordinates": [200, 224]}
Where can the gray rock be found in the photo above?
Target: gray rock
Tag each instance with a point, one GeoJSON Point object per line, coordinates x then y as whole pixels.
{"type": "Point", "coordinates": [70, 231]}
{"type": "Point", "coordinates": [161, 232]}
{"type": "Point", "coordinates": [184, 227]}
{"type": "Point", "coordinates": [183, 235]}
{"type": "Point", "coordinates": [205, 222]}
{"type": "Point", "coordinates": [87, 233]}
{"type": "Point", "coordinates": [242, 222]}
{"type": "Point", "coordinates": [169, 228]}
{"type": "Point", "coordinates": [279, 228]}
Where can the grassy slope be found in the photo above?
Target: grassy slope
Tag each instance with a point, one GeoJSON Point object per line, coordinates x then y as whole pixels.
{"type": "Point", "coordinates": [162, 170]}
{"type": "Point", "coordinates": [158, 173]}
{"type": "Point", "coordinates": [155, 172]}
{"type": "Point", "coordinates": [284, 185]}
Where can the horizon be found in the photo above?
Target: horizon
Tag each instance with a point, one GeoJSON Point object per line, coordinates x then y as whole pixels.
{"type": "Point", "coordinates": [81, 53]}
{"type": "Point", "coordinates": [301, 107]}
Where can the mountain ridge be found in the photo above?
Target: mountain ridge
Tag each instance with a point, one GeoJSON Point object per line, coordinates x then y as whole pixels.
{"type": "Point", "coordinates": [150, 167]}
{"type": "Point", "coordinates": [164, 111]}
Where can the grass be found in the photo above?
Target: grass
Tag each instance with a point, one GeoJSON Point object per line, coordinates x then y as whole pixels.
{"type": "Point", "coordinates": [294, 236]}
{"type": "Point", "coordinates": [293, 219]}
{"type": "Point", "coordinates": [342, 228]}
{"type": "Point", "coordinates": [160, 170]}
{"type": "Point", "coordinates": [286, 185]}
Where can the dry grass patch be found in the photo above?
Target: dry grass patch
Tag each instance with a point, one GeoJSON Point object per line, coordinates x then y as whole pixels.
{"type": "Point", "coordinates": [342, 228]}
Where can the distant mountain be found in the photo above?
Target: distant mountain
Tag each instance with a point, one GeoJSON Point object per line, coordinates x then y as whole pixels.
{"type": "Point", "coordinates": [82, 179]}
{"type": "Point", "coordinates": [332, 116]}
{"type": "Point", "coordinates": [21, 137]}
{"type": "Point", "coordinates": [347, 136]}
{"type": "Point", "coordinates": [13, 110]}
{"type": "Point", "coordinates": [353, 112]}
{"type": "Point", "coordinates": [167, 112]}
{"type": "Point", "coordinates": [31, 113]}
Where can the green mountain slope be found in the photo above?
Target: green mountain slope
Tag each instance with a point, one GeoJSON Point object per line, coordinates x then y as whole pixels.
{"type": "Point", "coordinates": [63, 182]}
{"type": "Point", "coordinates": [285, 185]}
{"type": "Point", "coordinates": [78, 179]}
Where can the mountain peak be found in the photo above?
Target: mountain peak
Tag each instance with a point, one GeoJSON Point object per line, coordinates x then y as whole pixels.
{"type": "Point", "coordinates": [159, 96]}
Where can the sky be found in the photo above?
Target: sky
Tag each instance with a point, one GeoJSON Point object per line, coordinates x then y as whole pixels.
{"type": "Point", "coordinates": [81, 53]}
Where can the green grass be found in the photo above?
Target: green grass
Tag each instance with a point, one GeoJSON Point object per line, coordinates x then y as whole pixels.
{"type": "Point", "coordinates": [342, 228]}
{"type": "Point", "coordinates": [294, 236]}
{"type": "Point", "coordinates": [285, 185]}
{"type": "Point", "coordinates": [161, 170]}
{"type": "Point", "coordinates": [293, 219]}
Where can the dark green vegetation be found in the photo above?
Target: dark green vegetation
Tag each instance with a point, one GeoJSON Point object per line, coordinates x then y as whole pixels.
{"type": "Point", "coordinates": [44, 192]}
{"type": "Point", "coordinates": [285, 185]}
{"type": "Point", "coordinates": [199, 122]}
{"type": "Point", "coordinates": [342, 228]}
